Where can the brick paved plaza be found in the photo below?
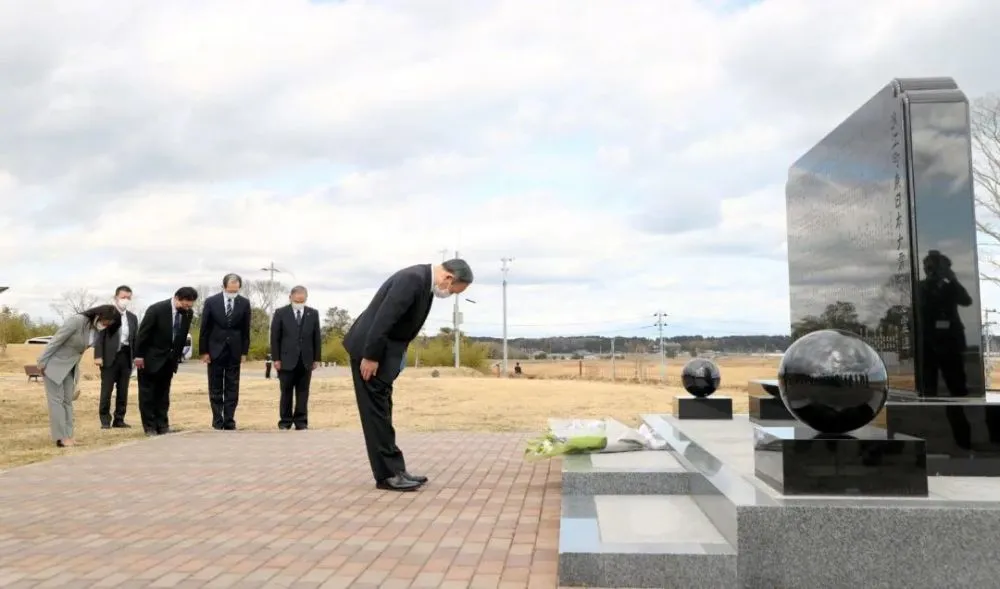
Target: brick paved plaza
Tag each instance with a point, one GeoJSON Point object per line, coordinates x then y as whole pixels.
{"type": "Point", "coordinates": [282, 509]}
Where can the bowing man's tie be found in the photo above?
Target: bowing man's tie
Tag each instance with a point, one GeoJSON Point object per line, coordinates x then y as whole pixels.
{"type": "Point", "coordinates": [298, 316]}
{"type": "Point", "coordinates": [177, 325]}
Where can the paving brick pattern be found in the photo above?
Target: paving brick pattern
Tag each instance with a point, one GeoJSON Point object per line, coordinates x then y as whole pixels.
{"type": "Point", "coordinates": [283, 509]}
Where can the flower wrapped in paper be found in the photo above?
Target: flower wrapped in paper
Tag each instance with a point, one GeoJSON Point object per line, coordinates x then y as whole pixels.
{"type": "Point", "coordinates": [587, 436]}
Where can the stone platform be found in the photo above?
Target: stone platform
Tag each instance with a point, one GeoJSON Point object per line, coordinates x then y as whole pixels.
{"type": "Point", "coordinates": [833, 542]}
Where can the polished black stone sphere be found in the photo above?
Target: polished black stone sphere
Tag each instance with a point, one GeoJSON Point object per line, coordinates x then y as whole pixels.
{"type": "Point", "coordinates": [833, 381]}
{"type": "Point", "coordinates": [701, 377]}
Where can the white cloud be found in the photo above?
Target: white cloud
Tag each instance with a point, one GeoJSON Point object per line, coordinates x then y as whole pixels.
{"type": "Point", "coordinates": [631, 156]}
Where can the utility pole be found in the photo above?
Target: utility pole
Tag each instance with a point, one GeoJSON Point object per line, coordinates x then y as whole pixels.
{"type": "Point", "coordinates": [663, 357]}
{"type": "Point", "coordinates": [987, 356]}
{"type": "Point", "coordinates": [456, 321]}
{"type": "Point", "coordinates": [271, 270]}
{"type": "Point", "coordinates": [444, 254]}
{"type": "Point", "coordinates": [612, 358]}
{"type": "Point", "coordinates": [504, 269]}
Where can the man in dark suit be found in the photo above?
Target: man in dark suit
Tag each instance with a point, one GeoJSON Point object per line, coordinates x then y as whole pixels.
{"type": "Point", "coordinates": [377, 345]}
{"type": "Point", "coordinates": [158, 349]}
{"type": "Point", "coordinates": [224, 343]}
{"type": "Point", "coordinates": [113, 350]}
{"type": "Point", "coordinates": [296, 346]}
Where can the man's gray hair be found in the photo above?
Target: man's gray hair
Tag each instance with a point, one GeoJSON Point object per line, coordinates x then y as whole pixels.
{"type": "Point", "coordinates": [298, 288]}
{"type": "Point", "coordinates": [460, 269]}
{"type": "Point", "coordinates": [231, 277]}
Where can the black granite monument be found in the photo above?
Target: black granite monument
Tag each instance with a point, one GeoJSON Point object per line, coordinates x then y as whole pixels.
{"type": "Point", "coordinates": [835, 383]}
{"type": "Point", "coordinates": [765, 402]}
{"type": "Point", "coordinates": [882, 243]}
{"type": "Point", "coordinates": [701, 378]}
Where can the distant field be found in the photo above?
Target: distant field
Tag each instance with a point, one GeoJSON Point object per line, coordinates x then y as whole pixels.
{"type": "Point", "coordinates": [735, 370]}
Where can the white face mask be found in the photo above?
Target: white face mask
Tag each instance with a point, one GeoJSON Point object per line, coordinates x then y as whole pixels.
{"type": "Point", "coordinates": [298, 306]}
{"type": "Point", "coordinates": [124, 304]}
{"type": "Point", "coordinates": [230, 295]}
{"type": "Point", "coordinates": [441, 293]}
{"type": "Point", "coordinates": [99, 326]}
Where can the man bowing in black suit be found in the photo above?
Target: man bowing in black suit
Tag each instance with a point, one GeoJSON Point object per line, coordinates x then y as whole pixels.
{"type": "Point", "coordinates": [224, 343]}
{"type": "Point", "coordinates": [296, 346]}
{"type": "Point", "coordinates": [377, 345]}
{"type": "Point", "coordinates": [113, 350]}
{"type": "Point", "coordinates": [159, 346]}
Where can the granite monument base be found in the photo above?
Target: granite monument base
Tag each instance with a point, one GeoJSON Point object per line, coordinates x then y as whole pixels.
{"type": "Point", "coordinates": [714, 407]}
{"type": "Point", "coordinates": [962, 435]}
{"type": "Point", "coordinates": [799, 461]}
{"type": "Point", "coordinates": [768, 408]}
{"type": "Point", "coordinates": [945, 539]}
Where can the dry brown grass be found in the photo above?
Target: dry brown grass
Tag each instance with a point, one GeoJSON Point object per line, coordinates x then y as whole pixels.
{"type": "Point", "coordinates": [735, 370]}
{"type": "Point", "coordinates": [458, 400]}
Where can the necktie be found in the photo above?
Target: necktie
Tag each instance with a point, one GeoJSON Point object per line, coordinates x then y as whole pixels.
{"type": "Point", "coordinates": [177, 325]}
{"type": "Point", "coordinates": [298, 316]}
{"type": "Point", "coordinates": [229, 307]}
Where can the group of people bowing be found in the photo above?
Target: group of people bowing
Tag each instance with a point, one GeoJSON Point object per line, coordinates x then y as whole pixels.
{"type": "Point", "coordinates": [154, 348]}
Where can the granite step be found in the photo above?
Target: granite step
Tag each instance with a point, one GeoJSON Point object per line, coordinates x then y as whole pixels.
{"type": "Point", "coordinates": [652, 472]}
{"type": "Point", "coordinates": [641, 541]}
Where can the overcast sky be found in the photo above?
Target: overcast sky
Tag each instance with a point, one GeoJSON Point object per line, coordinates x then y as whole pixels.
{"type": "Point", "coordinates": [630, 155]}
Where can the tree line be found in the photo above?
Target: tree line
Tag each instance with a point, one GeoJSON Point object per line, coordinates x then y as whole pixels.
{"type": "Point", "coordinates": [576, 346]}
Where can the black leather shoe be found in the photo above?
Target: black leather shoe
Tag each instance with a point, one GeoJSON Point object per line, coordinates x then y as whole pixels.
{"type": "Point", "coordinates": [299, 427]}
{"type": "Point", "coordinates": [284, 426]}
{"type": "Point", "coordinates": [397, 483]}
{"type": "Point", "coordinates": [121, 425]}
{"type": "Point", "coordinates": [416, 478]}
{"type": "Point", "coordinates": [150, 432]}
{"type": "Point", "coordinates": [105, 426]}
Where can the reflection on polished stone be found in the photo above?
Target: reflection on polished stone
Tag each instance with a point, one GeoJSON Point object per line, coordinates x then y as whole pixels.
{"type": "Point", "coordinates": [832, 381]}
{"type": "Point", "coordinates": [768, 408]}
{"type": "Point", "coordinates": [716, 407]}
{"type": "Point", "coordinates": [701, 377]}
{"type": "Point", "coordinates": [882, 237]}
{"type": "Point", "coordinates": [764, 387]}
{"type": "Point", "coordinates": [962, 435]}
{"type": "Point", "coordinates": [798, 461]}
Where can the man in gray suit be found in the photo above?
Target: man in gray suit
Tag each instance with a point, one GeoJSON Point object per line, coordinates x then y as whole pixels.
{"type": "Point", "coordinates": [113, 353]}
{"type": "Point", "coordinates": [59, 363]}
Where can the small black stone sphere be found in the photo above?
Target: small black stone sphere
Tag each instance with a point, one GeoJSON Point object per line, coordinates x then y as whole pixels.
{"type": "Point", "coordinates": [701, 377]}
{"type": "Point", "coordinates": [833, 381]}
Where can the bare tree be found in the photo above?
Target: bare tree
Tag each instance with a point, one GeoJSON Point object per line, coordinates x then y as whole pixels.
{"type": "Point", "coordinates": [264, 294]}
{"type": "Point", "coordinates": [74, 301]}
{"type": "Point", "coordinates": [204, 291]}
{"type": "Point", "coordinates": [985, 123]}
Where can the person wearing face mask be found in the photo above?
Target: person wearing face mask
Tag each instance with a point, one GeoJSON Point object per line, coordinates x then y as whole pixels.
{"type": "Point", "coordinates": [59, 364]}
{"type": "Point", "coordinates": [224, 343]}
{"type": "Point", "coordinates": [113, 354]}
{"type": "Point", "coordinates": [296, 347]}
{"type": "Point", "coordinates": [377, 343]}
{"type": "Point", "coordinates": [159, 346]}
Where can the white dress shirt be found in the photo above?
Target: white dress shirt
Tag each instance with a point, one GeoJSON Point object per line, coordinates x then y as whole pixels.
{"type": "Point", "coordinates": [123, 333]}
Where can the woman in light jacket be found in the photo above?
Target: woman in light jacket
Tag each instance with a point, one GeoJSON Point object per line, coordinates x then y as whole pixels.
{"type": "Point", "coordinates": [59, 363]}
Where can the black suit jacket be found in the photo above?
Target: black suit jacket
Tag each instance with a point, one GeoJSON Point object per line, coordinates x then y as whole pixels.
{"type": "Point", "coordinates": [106, 342]}
{"type": "Point", "coordinates": [392, 320]}
{"type": "Point", "coordinates": [291, 341]}
{"type": "Point", "coordinates": [220, 337]}
{"type": "Point", "coordinates": [155, 343]}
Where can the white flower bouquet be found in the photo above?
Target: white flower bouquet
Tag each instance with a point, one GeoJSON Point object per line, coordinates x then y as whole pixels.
{"type": "Point", "coordinates": [586, 436]}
